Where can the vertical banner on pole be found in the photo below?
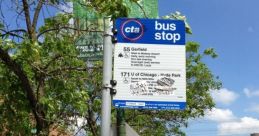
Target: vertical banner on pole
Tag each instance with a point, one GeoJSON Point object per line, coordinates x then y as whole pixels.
{"type": "Point", "coordinates": [90, 44]}
{"type": "Point", "coordinates": [144, 9]}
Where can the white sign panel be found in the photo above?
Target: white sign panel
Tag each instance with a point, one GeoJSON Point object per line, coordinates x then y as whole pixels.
{"type": "Point", "coordinates": [149, 76]}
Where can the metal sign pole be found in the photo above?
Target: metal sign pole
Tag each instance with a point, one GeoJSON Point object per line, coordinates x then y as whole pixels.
{"type": "Point", "coordinates": [107, 77]}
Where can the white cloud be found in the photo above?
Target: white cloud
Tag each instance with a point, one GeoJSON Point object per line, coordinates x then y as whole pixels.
{"type": "Point", "coordinates": [245, 125]}
{"type": "Point", "coordinates": [220, 115]}
{"type": "Point", "coordinates": [229, 124]}
{"type": "Point", "coordinates": [224, 96]}
{"type": "Point", "coordinates": [251, 93]}
{"type": "Point", "coordinates": [253, 108]}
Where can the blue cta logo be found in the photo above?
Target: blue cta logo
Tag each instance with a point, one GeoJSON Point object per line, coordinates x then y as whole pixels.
{"type": "Point", "coordinates": [132, 30]}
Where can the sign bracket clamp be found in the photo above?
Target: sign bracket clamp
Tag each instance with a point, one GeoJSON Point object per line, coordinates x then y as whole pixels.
{"type": "Point", "coordinates": [111, 86]}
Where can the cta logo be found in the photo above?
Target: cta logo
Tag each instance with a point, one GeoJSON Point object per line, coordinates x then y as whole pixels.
{"type": "Point", "coordinates": [132, 30]}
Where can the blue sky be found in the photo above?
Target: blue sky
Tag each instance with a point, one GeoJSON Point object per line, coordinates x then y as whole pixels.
{"type": "Point", "coordinates": [231, 27]}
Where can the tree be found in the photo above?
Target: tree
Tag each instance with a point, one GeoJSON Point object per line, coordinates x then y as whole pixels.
{"type": "Point", "coordinates": [44, 86]}
{"type": "Point", "coordinates": [42, 81]}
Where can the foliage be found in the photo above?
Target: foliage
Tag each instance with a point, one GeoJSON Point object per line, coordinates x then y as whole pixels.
{"type": "Point", "coordinates": [56, 76]}
{"type": "Point", "coordinates": [177, 16]}
{"type": "Point", "coordinates": [112, 8]}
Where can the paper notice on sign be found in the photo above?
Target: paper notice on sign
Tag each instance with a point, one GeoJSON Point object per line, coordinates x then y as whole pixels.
{"type": "Point", "coordinates": [150, 76]}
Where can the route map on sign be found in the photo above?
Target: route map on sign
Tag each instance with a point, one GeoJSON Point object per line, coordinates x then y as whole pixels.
{"type": "Point", "coordinates": [149, 64]}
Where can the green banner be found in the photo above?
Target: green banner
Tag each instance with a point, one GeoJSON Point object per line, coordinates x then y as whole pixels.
{"type": "Point", "coordinates": [144, 9]}
{"type": "Point", "coordinates": [90, 44]}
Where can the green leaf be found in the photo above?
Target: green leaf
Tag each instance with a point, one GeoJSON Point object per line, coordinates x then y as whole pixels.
{"type": "Point", "coordinates": [1, 25]}
{"type": "Point", "coordinates": [192, 47]}
{"type": "Point", "coordinates": [211, 52]}
{"type": "Point", "coordinates": [178, 16]}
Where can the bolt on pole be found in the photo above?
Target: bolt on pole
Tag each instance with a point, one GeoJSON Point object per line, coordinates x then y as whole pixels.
{"type": "Point", "coordinates": [107, 77]}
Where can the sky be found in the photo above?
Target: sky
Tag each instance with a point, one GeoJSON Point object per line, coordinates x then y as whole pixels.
{"type": "Point", "coordinates": [231, 27]}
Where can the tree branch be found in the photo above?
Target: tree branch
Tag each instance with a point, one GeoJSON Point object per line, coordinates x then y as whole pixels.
{"type": "Point", "coordinates": [65, 27]}
{"type": "Point", "coordinates": [17, 69]}
{"type": "Point", "coordinates": [142, 9]}
{"type": "Point", "coordinates": [57, 71]}
{"type": "Point", "coordinates": [36, 14]}
{"type": "Point", "coordinates": [91, 122]}
{"type": "Point", "coordinates": [13, 33]}
{"type": "Point", "coordinates": [53, 60]}
{"type": "Point", "coordinates": [60, 70]}
{"type": "Point", "coordinates": [28, 20]}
